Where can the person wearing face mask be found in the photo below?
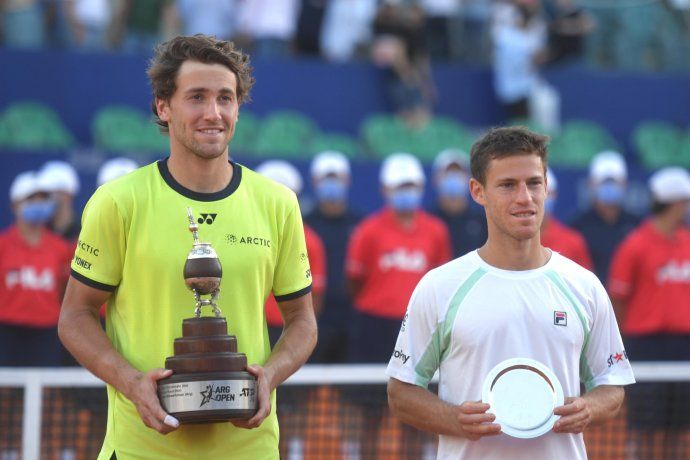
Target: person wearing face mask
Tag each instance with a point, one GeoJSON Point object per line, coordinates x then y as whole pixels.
{"type": "Point", "coordinates": [388, 254]}
{"type": "Point", "coordinates": [467, 227]}
{"type": "Point", "coordinates": [558, 237]}
{"type": "Point", "coordinates": [606, 223]}
{"type": "Point", "coordinates": [333, 220]}
{"type": "Point", "coordinates": [650, 288]}
{"type": "Point", "coordinates": [62, 181]}
{"type": "Point", "coordinates": [286, 174]}
{"type": "Point", "coordinates": [34, 266]}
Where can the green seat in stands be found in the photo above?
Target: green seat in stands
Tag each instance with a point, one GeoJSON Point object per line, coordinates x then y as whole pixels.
{"type": "Point", "coordinates": [657, 144]}
{"type": "Point", "coordinates": [578, 142]}
{"type": "Point", "coordinates": [34, 126]}
{"type": "Point", "coordinates": [342, 143]}
{"type": "Point", "coordinates": [439, 134]}
{"type": "Point", "coordinates": [246, 130]}
{"type": "Point", "coordinates": [384, 134]}
{"type": "Point", "coordinates": [153, 140]}
{"type": "Point", "coordinates": [120, 128]}
{"type": "Point", "coordinates": [684, 151]}
{"type": "Point", "coordinates": [285, 133]}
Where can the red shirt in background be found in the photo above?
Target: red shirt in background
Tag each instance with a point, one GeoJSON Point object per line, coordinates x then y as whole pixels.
{"type": "Point", "coordinates": [567, 242]}
{"type": "Point", "coordinates": [317, 264]}
{"type": "Point", "coordinates": [650, 273]}
{"type": "Point", "coordinates": [390, 260]}
{"type": "Point", "coordinates": [32, 278]}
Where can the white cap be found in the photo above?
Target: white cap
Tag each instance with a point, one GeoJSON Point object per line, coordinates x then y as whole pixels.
{"type": "Point", "coordinates": [59, 176]}
{"type": "Point", "coordinates": [551, 181]}
{"type": "Point", "coordinates": [25, 185]}
{"type": "Point", "coordinates": [329, 162]}
{"type": "Point", "coordinates": [449, 157]}
{"type": "Point", "coordinates": [608, 165]}
{"type": "Point", "coordinates": [114, 168]}
{"type": "Point", "coordinates": [282, 172]}
{"type": "Point", "coordinates": [671, 184]}
{"type": "Point", "coordinates": [401, 168]}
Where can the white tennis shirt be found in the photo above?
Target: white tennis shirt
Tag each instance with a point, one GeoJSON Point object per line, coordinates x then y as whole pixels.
{"type": "Point", "coordinates": [467, 316]}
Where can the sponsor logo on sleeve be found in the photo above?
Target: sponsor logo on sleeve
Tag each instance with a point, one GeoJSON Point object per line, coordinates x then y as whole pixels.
{"type": "Point", "coordinates": [617, 357]}
{"type": "Point", "coordinates": [87, 248]}
{"type": "Point", "coordinates": [404, 321]}
{"type": "Point", "coordinates": [398, 354]}
{"type": "Point", "coordinates": [560, 318]}
{"type": "Point", "coordinates": [82, 263]}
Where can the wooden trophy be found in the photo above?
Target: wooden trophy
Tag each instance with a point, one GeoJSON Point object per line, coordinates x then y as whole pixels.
{"type": "Point", "coordinates": [210, 382]}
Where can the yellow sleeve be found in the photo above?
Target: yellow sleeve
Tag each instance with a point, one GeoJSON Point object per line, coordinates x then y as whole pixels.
{"type": "Point", "coordinates": [292, 277]}
{"type": "Point", "coordinates": [99, 257]}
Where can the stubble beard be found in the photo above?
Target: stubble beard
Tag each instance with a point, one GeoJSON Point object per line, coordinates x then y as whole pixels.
{"type": "Point", "coordinates": [199, 150]}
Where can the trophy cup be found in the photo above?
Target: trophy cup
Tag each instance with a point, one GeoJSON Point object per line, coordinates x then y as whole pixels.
{"type": "Point", "coordinates": [209, 381]}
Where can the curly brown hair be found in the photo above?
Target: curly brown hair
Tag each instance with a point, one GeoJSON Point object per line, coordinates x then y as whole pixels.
{"type": "Point", "coordinates": [505, 142]}
{"type": "Point", "coordinates": [169, 57]}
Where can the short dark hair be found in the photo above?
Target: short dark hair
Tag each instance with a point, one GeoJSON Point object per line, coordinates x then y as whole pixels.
{"type": "Point", "coordinates": [504, 142]}
{"type": "Point", "coordinates": [169, 57]}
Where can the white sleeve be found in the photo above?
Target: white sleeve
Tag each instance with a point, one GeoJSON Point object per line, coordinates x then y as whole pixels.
{"type": "Point", "coordinates": [417, 353]}
{"type": "Point", "coordinates": [605, 361]}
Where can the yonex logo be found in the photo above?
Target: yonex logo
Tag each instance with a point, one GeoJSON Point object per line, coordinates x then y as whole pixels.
{"type": "Point", "coordinates": [560, 318]}
{"type": "Point", "coordinates": [207, 218]}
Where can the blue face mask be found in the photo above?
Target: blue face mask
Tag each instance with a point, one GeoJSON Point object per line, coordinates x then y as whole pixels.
{"type": "Point", "coordinates": [332, 190]}
{"type": "Point", "coordinates": [610, 193]}
{"type": "Point", "coordinates": [38, 212]}
{"type": "Point", "coordinates": [406, 200]}
{"type": "Point", "coordinates": [453, 185]}
{"type": "Point", "coordinates": [549, 205]}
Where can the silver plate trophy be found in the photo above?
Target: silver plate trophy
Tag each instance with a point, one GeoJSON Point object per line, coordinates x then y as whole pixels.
{"type": "Point", "coordinates": [209, 382]}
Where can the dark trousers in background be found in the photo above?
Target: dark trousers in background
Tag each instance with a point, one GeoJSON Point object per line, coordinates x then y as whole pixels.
{"type": "Point", "coordinates": [372, 338]}
{"type": "Point", "coordinates": [22, 346]}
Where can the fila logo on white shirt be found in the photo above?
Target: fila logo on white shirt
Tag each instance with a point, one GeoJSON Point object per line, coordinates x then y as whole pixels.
{"type": "Point", "coordinates": [28, 278]}
{"type": "Point", "coordinates": [402, 259]}
{"type": "Point", "coordinates": [560, 318]}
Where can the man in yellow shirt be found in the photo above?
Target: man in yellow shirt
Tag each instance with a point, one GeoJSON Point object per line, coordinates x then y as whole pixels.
{"type": "Point", "coordinates": [133, 246]}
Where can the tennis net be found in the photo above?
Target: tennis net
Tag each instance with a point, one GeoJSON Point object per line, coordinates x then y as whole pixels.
{"type": "Point", "coordinates": [325, 412]}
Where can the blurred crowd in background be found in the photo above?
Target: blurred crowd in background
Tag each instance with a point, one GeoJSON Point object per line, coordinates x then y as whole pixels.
{"type": "Point", "coordinates": [628, 34]}
{"type": "Point", "coordinates": [364, 266]}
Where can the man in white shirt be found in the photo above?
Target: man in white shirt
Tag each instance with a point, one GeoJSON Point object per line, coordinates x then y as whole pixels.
{"type": "Point", "coordinates": [511, 298]}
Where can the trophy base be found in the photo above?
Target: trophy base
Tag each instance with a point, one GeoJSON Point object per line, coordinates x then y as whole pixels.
{"type": "Point", "coordinates": [209, 397]}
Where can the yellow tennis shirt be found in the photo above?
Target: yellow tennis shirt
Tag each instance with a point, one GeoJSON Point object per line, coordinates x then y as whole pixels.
{"type": "Point", "coordinates": [134, 242]}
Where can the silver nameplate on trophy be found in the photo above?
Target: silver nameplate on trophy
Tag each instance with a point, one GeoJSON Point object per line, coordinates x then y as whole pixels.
{"type": "Point", "coordinates": [208, 395]}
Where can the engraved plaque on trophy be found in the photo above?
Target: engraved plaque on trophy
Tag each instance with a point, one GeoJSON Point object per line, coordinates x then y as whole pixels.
{"type": "Point", "coordinates": [209, 381]}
